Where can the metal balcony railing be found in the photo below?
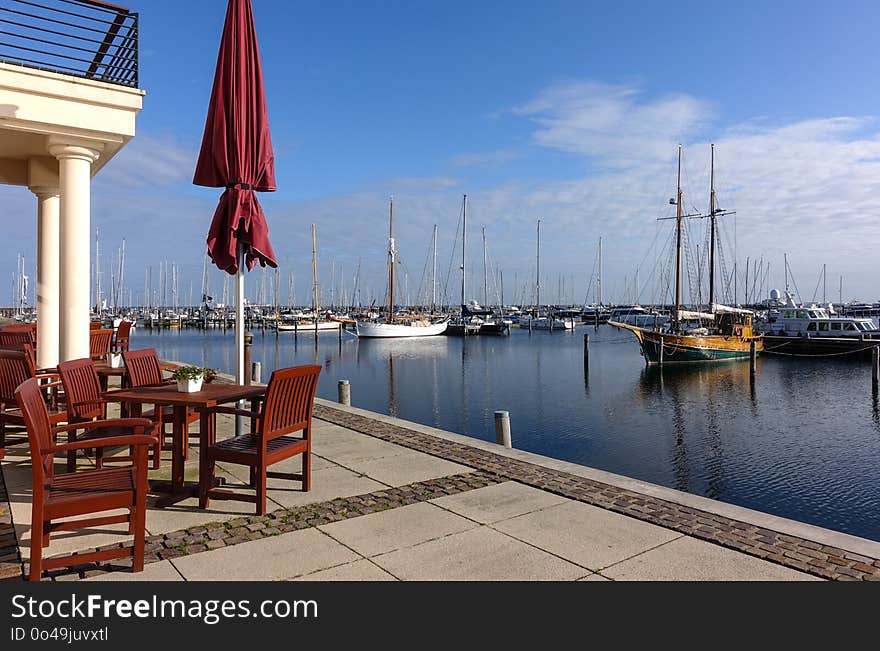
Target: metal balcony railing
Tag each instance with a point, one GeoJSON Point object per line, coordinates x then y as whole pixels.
{"type": "Point", "coordinates": [84, 38]}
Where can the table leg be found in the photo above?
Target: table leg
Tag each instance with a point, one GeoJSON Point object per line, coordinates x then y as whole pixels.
{"type": "Point", "coordinates": [179, 440]}
{"type": "Point", "coordinates": [207, 438]}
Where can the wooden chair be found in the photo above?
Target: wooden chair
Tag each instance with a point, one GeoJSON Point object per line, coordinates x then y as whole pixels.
{"type": "Point", "coordinates": [142, 369]}
{"type": "Point", "coordinates": [85, 492]}
{"type": "Point", "coordinates": [16, 366]}
{"type": "Point", "coordinates": [95, 325]}
{"type": "Point", "coordinates": [82, 390]}
{"type": "Point", "coordinates": [99, 343]}
{"type": "Point", "coordinates": [121, 337]}
{"type": "Point", "coordinates": [287, 409]}
{"type": "Point", "coordinates": [16, 338]}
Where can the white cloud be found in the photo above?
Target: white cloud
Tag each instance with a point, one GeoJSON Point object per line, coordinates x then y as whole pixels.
{"type": "Point", "coordinates": [149, 161]}
{"type": "Point", "coordinates": [805, 187]}
{"type": "Point", "coordinates": [614, 123]}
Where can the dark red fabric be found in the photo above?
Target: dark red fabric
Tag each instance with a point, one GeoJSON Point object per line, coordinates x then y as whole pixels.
{"type": "Point", "coordinates": [236, 147]}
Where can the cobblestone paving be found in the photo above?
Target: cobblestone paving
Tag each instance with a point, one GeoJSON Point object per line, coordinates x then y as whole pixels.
{"type": "Point", "coordinates": [231, 532]}
{"type": "Point", "coordinates": [791, 551]}
{"type": "Point", "coordinates": [10, 559]}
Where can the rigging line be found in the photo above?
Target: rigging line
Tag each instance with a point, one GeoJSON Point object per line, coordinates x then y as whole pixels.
{"type": "Point", "coordinates": [592, 277]}
{"type": "Point", "coordinates": [794, 282]}
{"type": "Point", "coordinates": [816, 291]}
{"type": "Point", "coordinates": [657, 231]}
{"type": "Point", "coordinates": [452, 256]}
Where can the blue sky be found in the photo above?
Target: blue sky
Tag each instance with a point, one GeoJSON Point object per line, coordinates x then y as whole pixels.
{"type": "Point", "coordinates": [570, 112]}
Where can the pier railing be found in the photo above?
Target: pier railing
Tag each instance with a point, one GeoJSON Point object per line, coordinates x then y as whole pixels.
{"type": "Point", "coordinates": [84, 38]}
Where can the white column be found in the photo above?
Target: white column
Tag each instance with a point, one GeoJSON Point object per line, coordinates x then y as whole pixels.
{"type": "Point", "coordinates": [74, 166]}
{"type": "Point", "coordinates": [48, 206]}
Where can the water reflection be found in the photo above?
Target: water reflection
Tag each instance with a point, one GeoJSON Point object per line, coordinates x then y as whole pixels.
{"type": "Point", "coordinates": [800, 440]}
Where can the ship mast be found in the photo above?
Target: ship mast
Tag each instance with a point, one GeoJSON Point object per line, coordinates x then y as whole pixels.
{"type": "Point", "coordinates": [485, 273]}
{"type": "Point", "coordinates": [712, 212]}
{"type": "Point", "coordinates": [315, 273]}
{"type": "Point", "coordinates": [391, 259]}
{"type": "Point", "coordinates": [463, 244]}
{"type": "Point", "coordinates": [678, 217]}
{"type": "Point", "coordinates": [538, 272]}
{"type": "Point", "coordinates": [434, 274]}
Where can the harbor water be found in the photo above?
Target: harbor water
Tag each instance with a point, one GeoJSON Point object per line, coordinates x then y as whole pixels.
{"type": "Point", "coordinates": [801, 442]}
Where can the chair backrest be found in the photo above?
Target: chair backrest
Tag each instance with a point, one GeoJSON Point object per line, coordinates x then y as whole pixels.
{"type": "Point", "coordinates": [142, 367]}
{"type": "Point", "coordinates": [99, 343]}
{"type": "Point", "coordinates": [122, 336]}
{"type": "Point", "coordinates": [83, 390]}
{"type": "Point", "coordinates": [16, 337]}
{"type": "Point", "coordinates": [289, 399]}
{"type": "Point", "coordinates": [95, 325]}
{"type": "Point", "coordinates": [36, 419]}
{"type": "Point", "coordinates": [14, 369]}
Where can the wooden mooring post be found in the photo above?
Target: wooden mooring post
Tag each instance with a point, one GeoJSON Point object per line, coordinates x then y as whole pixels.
{"type": "Point", "coordinates": [587, 349]}
{"type": "Point", "coordinates": [753, 359]}
{"type": "Point", "coordinates": [875, 369]}
{"type": "Point", "coordinates": [344, 391]}
{"type": "Point", "coordinates": [248, 343]}
{"type": "Point", "coordinates": [502, 429]}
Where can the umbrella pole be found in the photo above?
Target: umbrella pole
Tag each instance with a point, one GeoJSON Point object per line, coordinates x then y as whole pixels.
{"type": "Point", "coordinates": [239, 332]}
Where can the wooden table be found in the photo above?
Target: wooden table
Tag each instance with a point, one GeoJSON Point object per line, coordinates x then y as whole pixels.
{"type": "Point", "coordinates": [211, 395]}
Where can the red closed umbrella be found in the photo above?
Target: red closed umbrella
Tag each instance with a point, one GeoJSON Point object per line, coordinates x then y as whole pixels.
{"type": "Point", "coordinates": [237, 147]}
{"type": "Point", "coordinates": [237, 155]}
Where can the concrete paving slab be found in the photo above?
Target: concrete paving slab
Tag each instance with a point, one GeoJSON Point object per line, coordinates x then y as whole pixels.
{"type": "Point", "coordinates": [327, 484]}
{"type": "Point", "coordinates": [161, 571]}
{"type": "Point", "coordinates": [499, 501]}
{"type": "Point", "coordinates": [407, 468]}
{"type": "Point", "coordinates": [362, 570]}
{"type": "Point", "coordinates": [689, 559]}
{"type": "Point", "coordinates": [382, 532]}
{"type": "Point", "coordinates": [480, 554]}
{"type": "Point", "coordinates": [277, 557]}
{"type": "Point", "coordinates": [586, 535]}
{"type": "Point", "coordinates": [348, 448]}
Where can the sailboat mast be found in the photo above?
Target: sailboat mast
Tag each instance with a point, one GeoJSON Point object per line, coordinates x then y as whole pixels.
{"type": "Point", "coordinates": [599, 280]}
{"type": "Point", "coordinates": [538, 271]}
{"type": "Point", "coordinates": [315, 271]}
{"type": "Point", "coordinates": [712, 230]}
{"type": "Point", "coordinates": [434, 273]}
{"type": "Point", "coordinates": [485, 273]}
{"type": "Point", "coordinates": [97, 274]}
{"type": "Point", "coordinates": [391, 259]}
{"type": "Point", "coordinates": [678, 240]}
{"type": "Point", "coordinates": [463, 246]}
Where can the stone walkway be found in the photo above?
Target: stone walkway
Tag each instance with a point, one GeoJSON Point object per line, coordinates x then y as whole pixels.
{"type": "Point", "coordinates": [393, 500]}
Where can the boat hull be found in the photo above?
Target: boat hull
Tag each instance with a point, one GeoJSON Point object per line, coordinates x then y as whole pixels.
{"type": "Point", "coordinates": [668, 348]}
{"type": "Point", "coordinates": [797, 346]}
{"type": "Point", "coordinates": [368, 330]}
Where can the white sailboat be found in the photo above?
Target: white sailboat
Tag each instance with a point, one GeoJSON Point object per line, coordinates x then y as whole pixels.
{"type": "Point", "coordinates": [392, 326]}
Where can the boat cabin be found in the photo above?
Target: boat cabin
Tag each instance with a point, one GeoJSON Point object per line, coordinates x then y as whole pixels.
{"type": "Point", "coordinates": [816, 322]}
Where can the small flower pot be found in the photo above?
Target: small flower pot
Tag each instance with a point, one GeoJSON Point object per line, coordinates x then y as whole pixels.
{"type": "Point", "coordinates": [115, 360]}
{"type": "Point", "coordinates": [189, 386]}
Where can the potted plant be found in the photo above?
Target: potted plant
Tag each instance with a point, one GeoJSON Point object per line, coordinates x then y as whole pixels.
{"type": "Point", "coordinates": [189, 378]}
{"type": "Point", "coordinates": [209, 374]}
{"type": "Point", "coordinates": [115, 360]}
